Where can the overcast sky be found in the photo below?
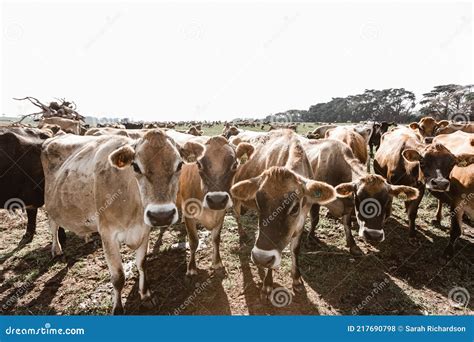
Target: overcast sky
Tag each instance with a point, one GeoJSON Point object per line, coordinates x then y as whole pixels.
{"type": "Point", "coordinates": [220, 61]}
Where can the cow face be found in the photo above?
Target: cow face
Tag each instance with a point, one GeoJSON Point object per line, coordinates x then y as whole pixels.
{"type": "Point", "coordinates": [156, 162]}
{"type": "Point", "coordinates": [436, 163]}
{"type": "Point", "coordinates": [230, 132]}
{"type": "Point", "coordinates": [283, 200]}
{"type": "Point", "coordinates": [217, 168]}
{"type": "Point", "coordinates": [373, 201]}
{"type": "Point", "coordinates": [427, 128]}
{"type": "Point", "coordinates": [378, 129]}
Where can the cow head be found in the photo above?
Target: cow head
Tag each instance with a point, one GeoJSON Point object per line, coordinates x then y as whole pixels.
{"type": "Point", "coordinates": [230, 132]}
{"type": "Point", "coordinates": [217, 167]}
{"type": "Point", "coordinates": [283, 200]}
{"type": "Point", "coordinates": [436, 163]}
{"type": "Point", "coordinates": [378, 129]}
{"type": "Point", "coordinates": [373, 201]}
{"type": "Point", "coordinates": [156, 161]}
{"type": "Point", "coordinates": [427, 128]}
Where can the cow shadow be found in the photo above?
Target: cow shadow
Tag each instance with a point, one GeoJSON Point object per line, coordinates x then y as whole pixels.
{"type": "Point", "coordinates": [37, 263]}
{"type": "Point", "coordinates": [176, 294]}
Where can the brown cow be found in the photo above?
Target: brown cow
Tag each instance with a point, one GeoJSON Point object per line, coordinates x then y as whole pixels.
{"type": "Point", "coordinates": [204, 193]}
{"type": "Point", "coordinates": [369, 195]}
{"type": "Point", "coordinates": [356, 142]}
{"type": "Point", "coordinates": [116, 186]}
{"type": "Point", "coordinates": [275, 181]}
{"type": "Point", "coordinates": [449, 176]}
{"type": "Point", "coordinates": [454, 127]}
{"type": "Point", "coordinates": [389, 163]}
{"type": "Point", "coordinates": [426, 128]}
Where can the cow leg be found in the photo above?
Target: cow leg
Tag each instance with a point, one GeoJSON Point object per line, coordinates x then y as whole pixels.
{"type": "Point", "coordinates": [30, 226]}
{"type": "Point", "coordinates": [412, 211]}
{"type": "Point", "coordinates": [267, 287]}
{"type": "Point", "coordinates": [193, 245]}
{"type": "Point", "coordinates": [439, 212]}
{"type": "Point", "coordinates": [117, 276]}
{"type": "Point", "coordinates": [216, 240]}
{"type": "Point", "coordinates": [140, 259]}
{"type": "Point", "coordinates": [314, 214]}
{"type": "Point", "coordinates": [455, 232]}
{"type": "Point", "coordinates": [295, 262]}
{"type": "Point", "coordinates": [350, 243]}
{"type": "Point", "coordinates": [56, 249]}
{"type": "Point", "coordinates": [237, 212]}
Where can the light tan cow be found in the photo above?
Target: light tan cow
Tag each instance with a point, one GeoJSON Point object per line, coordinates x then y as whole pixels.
{"type": "Point", "coordinates": [131, 133]}
{"type": "Point", "coordinates": [204, 193]}
{"type": "Point", "coordinates": [455, 127]}
{"type": "Point", "coordinates": [276, 182]}
{"type": "Point", "coordinates": [116, 186]}
{"type": "Point", "coordinates": [67, 125]}
{"type": "Point", "coordinates": [426, 128]}
{"type": "Point", "coordinates": [356, 142]}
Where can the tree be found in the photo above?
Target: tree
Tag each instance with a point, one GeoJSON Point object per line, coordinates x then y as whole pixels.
{"type": "Point", "coordinates": [448, 102]}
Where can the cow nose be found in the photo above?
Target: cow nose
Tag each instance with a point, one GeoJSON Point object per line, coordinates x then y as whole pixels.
{"type": "Point", "coordinates": [374, 234]}
{"type": "Point", "coordinates": [217, 201]}
{"type": "Point", "coordinates": [161, 217]}
{"type": "Point", "coordinates": [428, 140]}
{"type": "Point", "coordinates": [440, 184]}
{"type": "Point", "coordinates": [263, 260]}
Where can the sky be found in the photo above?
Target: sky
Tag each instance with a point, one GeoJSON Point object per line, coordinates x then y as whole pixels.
{"type": "Point", "coordinates": [218, 61]}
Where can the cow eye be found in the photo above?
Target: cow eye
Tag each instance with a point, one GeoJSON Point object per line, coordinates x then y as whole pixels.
{"type": "Point", "coordinates": [235, 165]}
{"type": "Point", "coordinates": [294, 211]}
{"type": "Point", "coordinates": [180, 166]}
{"type": "Point", "coordinates": [136, 168]}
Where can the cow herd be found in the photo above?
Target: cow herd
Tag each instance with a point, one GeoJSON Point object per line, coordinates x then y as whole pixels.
{"type": "Point", "coordinates": [121, 182]}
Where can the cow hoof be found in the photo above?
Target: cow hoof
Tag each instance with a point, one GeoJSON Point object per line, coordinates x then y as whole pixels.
{"type": "Point", "coordinates": [355, 251]}
{"type": "Point", "coordinates": [117, 311]}
{"type": "Point", "coordinates": [27, 238]}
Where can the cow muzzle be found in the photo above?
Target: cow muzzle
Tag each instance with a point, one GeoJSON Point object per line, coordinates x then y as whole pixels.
{"type": "Point", "coordinates": [160, 214]}
{"type": "Point", "coordinates": [439, 184]}
{"type": "Point", "coordinates": [217, 200]}
{"type": "Point", "coordinates": [376, 235]}
{"type": "Point", "coordinates": [264, 258]}
{"type": "Point", "coordinates": [428, 140]}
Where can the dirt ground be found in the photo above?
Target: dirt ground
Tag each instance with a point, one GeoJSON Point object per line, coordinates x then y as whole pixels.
{"type": "Point", "coordinates": [393, 277]}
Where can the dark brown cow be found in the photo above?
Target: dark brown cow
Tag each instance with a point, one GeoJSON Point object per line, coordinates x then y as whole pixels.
{"type": "Point", "coordinates": [378, 129]}
{"type": "Point", "coordinates": [370, 196]}
{"type": "Point", "coordinates": [203, 194]}
{"type": "Point", "coordinates": [449, 176]}
{"type": "Point", "coordinates": [275, 181]}
{"type": "Point", "coordinates": [21, 173]}
{"type": "Point", "coordinates": [390, 164]}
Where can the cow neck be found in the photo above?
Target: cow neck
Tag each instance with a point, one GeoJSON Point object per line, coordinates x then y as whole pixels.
{"type": "Point", "coordinates": [358, 169]}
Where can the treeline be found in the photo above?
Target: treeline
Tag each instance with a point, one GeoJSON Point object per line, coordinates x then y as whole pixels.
{"type": "Point", "coordinates": [450, 102]}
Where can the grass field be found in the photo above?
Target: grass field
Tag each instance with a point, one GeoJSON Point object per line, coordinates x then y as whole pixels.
{"type": "Point", "coordinates": [393, 277]}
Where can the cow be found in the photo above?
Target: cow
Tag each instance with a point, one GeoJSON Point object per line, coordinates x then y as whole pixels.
{"type": "Point", "coordinates": [204, 194]}
{"type": "Point", "coordinates": [378, 129]}
{"type": "Point", "coordinates": [426, 128]}
{"type": "Point", "coordinates": [454, 127]}
{"type": "Point", "coordinates": [390, 164]}
{"type": "Point", "coordinates": [116, 186]}
{"type": "Point", "coordinates": [182, 138]}
{"type": "Point", "coordinates": [369, 196]}
{"type": "Point", "coordinates": [356, 142]}
{"type": "Point", "coordinates": [131, 133]}
{"type": "Point", "coordinates": [67, 125]}
{"type": "Point", "coordinates": [320, 132]}
{"type": "Point", "coordinates": [21, 174]}
{"type": "Point", "coordinates": [276, 181]}
{"type": "Point", "coordinates": [449, 176]}
{"type": "Point", "coordinates": [193, 130]}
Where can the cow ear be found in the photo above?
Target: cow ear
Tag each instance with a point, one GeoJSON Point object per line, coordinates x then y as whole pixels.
{"type": "Point", "coordinates": [442, 123]}
{"type": "Point", "coordinates": [122, 157]}
{"type": "Point", "coordinates": [246, 190]}
{"type": "Point", "coordinates": [244, 149]}
{"type": "Point", "coordinates": [345, 189]}
{"type": "Point", "coordinates": [191, 151]}
{"type": "Point", "coordinates": [319, 192]}
{"type": "Point", "coordinates": [405, 193]}
{"type": "Point", "coordinates": [414, 125]}
{"type": "Point", "coordinates": [464, 160]}
{"type": "Point", "coordinates": [411, 155]}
